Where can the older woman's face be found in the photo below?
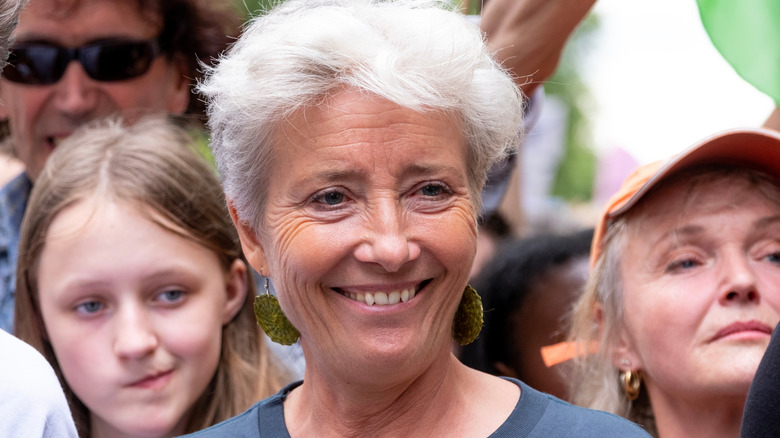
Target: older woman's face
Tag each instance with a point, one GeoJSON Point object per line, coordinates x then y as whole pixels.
{"type": "Point", "coordinates": [701, 274]}
{"type": "Point", "coordinates": [369, 232]}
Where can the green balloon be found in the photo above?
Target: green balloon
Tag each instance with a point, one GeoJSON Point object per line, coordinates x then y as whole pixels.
{"type": "Point", "coordinates": [747, 35]}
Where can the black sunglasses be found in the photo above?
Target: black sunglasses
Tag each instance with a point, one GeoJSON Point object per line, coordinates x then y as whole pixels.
{"type": "Point", "coordinates": [106, 60]}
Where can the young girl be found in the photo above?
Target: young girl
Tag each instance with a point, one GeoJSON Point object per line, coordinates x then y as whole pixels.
{"type": "Point", "coordinates": [132, 283]}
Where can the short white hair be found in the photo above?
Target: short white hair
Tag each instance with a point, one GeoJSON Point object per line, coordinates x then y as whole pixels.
{"type": "Point", "coordinates": [420, 54]}
{"type": "Point", "coordinates": [9, 16]}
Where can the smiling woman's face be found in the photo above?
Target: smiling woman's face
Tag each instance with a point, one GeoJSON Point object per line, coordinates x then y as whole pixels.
{"type": "Point", "coordinates": [701, 287]}
{"type": "Point", "coordinates": [368, 204]}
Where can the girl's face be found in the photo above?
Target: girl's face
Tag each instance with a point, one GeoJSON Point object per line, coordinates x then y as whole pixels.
{"type": "Point", "coordinates": [134, 314]}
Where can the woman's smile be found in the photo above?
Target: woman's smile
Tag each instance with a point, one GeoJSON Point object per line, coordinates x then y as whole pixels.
{"type": "Point", "coordinates": [383, 298]}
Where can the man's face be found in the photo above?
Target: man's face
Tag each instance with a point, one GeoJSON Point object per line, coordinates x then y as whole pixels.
{"type": "Point", "coordinates": [41, 116]}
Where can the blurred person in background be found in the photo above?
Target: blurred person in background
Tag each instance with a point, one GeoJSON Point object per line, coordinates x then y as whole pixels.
{"type": "Point", "coordinates": [529, 288]}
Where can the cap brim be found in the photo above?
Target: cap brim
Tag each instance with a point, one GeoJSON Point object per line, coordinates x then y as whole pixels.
{"type": "Point", "coordinates": [754, 148]}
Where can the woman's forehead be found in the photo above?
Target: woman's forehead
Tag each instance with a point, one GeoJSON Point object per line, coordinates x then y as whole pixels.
{"type": "Point", "coordinates": [699, 195]}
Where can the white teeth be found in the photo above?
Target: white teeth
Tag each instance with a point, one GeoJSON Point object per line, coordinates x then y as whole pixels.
{"type": "Point", "coordinates": [383, 298]}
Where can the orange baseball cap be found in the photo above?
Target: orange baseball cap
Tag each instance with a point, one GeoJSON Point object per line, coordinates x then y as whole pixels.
{"type": "Point", "coordinates": [756, 148]}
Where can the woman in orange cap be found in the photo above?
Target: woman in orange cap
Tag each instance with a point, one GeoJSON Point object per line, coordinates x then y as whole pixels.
{"type": "Point", "coordinates": [685, 288]}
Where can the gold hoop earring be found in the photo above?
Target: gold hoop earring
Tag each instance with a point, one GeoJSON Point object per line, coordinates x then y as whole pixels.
{"type": "Point", "coordinates": [272, 319]}
{"type": "Point", "coordinates": [632, 380]}
{"type": "Point", "coordinates": [468, 318]}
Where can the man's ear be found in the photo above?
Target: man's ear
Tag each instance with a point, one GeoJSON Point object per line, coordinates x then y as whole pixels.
{"type": "Point", "coordinates": [250, 244]}
{"type": "Point", "coordinates": [236, 288]}
{"type": "Point", "coordinates": [178, 99]}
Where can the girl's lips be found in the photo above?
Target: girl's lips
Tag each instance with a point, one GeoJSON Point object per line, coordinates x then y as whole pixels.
{"type": "Point", "coordinates": [153, 381]}
{"type": "Point", "coordinates": [743, 327]}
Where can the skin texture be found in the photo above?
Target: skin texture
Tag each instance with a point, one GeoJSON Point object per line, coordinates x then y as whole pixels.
{"type": "Point", "coordinates": [40, 116]}
{"type": "Point", "coordinates": [135, 317]}
{"type": "Point", "coordinates": [699, 261]}
{"type": "Point", "coordinates": [367, 196]}
{"type": "Point", "coordinates": [528, 36]}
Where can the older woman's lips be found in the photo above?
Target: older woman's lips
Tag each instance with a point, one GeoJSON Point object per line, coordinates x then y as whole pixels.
{"type": "Point", "coordinates": [747, 329]}
{"type": "Point", "coordinates": [385, 298]}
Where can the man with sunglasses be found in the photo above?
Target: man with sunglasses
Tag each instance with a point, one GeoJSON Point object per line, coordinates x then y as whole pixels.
{"type": "Point", "coordinates": [75, 61]}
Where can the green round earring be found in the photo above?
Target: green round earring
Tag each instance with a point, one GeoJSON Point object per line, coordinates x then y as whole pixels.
{"type": "Point", "coordinates": [468, 318]}
{"type": "Point", "coordinates": [272, 319]}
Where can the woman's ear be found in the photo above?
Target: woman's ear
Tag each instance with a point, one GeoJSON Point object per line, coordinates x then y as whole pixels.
{"type": "Point", "coordinates": [622, 356]}
{"type": "Point", "coordinates": [250, 244]}
{"type": "Point", "coordinates": [236, 288]}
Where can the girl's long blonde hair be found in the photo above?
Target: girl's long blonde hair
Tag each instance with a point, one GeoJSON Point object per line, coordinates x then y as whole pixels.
{"type": "Point", "coordinates": [152, 165]}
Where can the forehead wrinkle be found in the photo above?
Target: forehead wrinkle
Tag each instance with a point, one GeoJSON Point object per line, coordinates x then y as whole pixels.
{"type": "Point", "coordinates": [766, 222]}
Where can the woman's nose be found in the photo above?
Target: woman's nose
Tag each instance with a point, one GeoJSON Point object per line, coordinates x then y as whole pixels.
{"type": "Point", "coordinates": [134, 335]}
{"type": "Point", "coordinates": [739, 281]}
{"type": "Point", "coordinates": [387, 242]}
{"type": "Point", "coordinates": [76, 93]}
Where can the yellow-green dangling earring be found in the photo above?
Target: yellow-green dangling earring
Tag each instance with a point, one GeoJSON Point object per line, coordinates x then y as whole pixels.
{"type": "Point", "coordinates": [468, 318]}
{"type": "Point", "coordinates": [272, 319]}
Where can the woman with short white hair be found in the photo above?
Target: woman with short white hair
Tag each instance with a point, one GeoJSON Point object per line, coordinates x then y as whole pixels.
{"type": "Point", "coordinates": [353, 138]}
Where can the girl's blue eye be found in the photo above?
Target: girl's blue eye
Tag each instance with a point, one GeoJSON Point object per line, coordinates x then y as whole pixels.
{"type": "Point", "coordinates": [89, 307]}
{"type": "Point", "coordinates": [172, 296]}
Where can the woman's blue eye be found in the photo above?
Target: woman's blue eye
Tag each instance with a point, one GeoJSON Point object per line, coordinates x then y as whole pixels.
{"type": "Point", "coordinates": [89, 307]}
{"type": "Point", "coordinates": [432, 190]}
{"type": "Point", "coordinates": [171, 296]}
{"type": "Point", "coordinates": [774, 257]}
{"type": "Point", "coordinates": [682, 264]}
{"type": "Point", "coordinates": [333, 198]}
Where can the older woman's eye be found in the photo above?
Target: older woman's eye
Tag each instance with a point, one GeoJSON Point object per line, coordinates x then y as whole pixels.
{"type": "Point", "coordinates": [329, 198]}
{"type": "Point", "coordinates": [682, 264]}
{"type": "Point", "coordinates": [774, 257]}
{"type": "Point", "coordinates": [433, 190]}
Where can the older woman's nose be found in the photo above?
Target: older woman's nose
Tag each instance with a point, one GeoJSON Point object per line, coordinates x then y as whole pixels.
{"type": "Point", "coordinates": [134, 336]}
{"type": "Point", "coordinates": [387, 243]}
{"type": "Point", "coordinates": [739, 281]}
